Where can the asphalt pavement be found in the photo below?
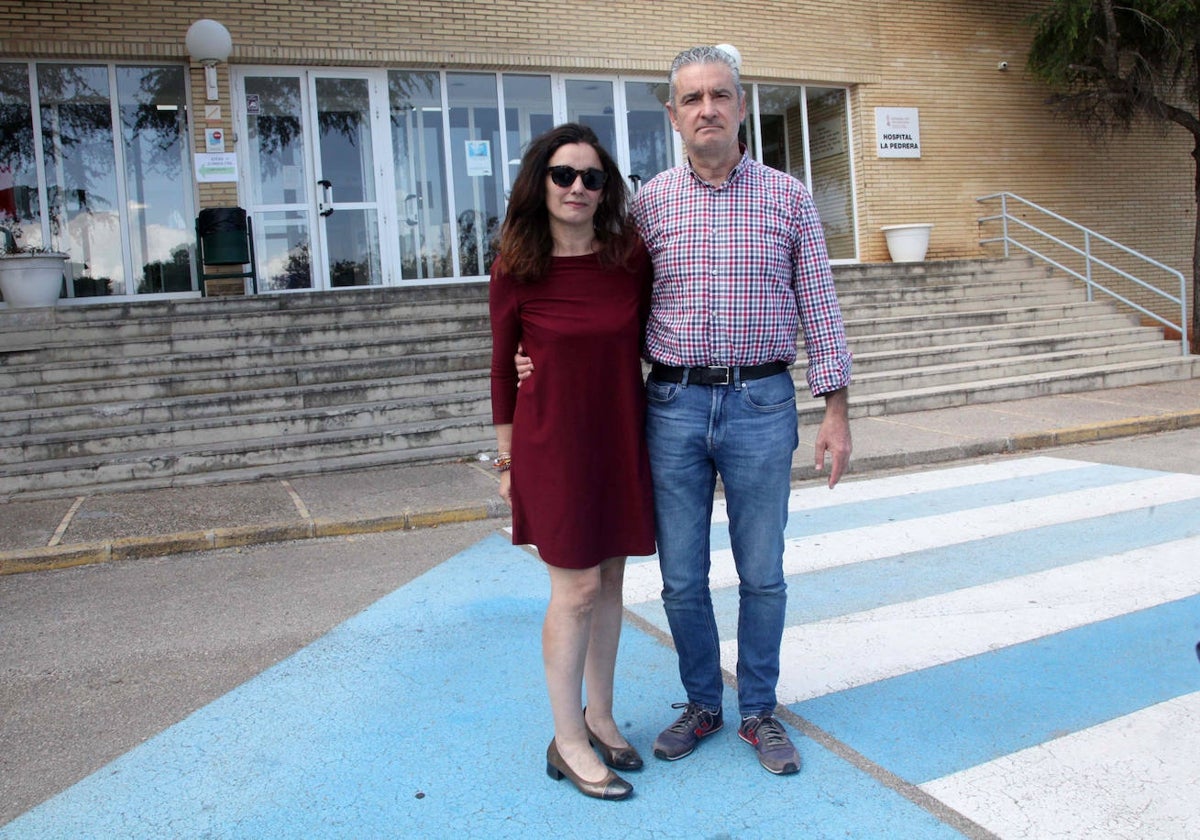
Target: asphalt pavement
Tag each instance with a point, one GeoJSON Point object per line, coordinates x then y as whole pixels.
{"type": "Point", "coordinates": [95, 528]}
{"type": "Point", "coordinates": [296, 686]}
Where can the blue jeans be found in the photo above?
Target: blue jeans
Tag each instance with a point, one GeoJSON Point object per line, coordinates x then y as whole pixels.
{"type": "Point", "coordinates": [746, 433]}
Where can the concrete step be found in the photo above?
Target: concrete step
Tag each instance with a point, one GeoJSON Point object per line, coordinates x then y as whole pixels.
{"type": "Point", "coordinates": [964, 270]}
{"type": "Point", "coordinates": [129, 323]}
{"type": "Point", "coordinates": [966, 373]}
{"type": "Point", "coordinates": [1006, 388]}
{"type": "Point", "coordinates": [1101, 324]}
{"type": "Point", "coordinates": [285, 424]}
{"type": "Point", "coordinates": [248, 459]}
{"type": "Point", "coordinates": [176, 363]}
{"type": "Point", "coordinates": [165, 393]}
{"type": "Point", "coordinates": [217, 383]}
{"type": "Point", "coordinates": [915, 306]}
{"type": "Point", "coordinates": [439, 382]}
{"type": "Point", "coordinates": [998, 352]}
{"type": "Point", "coordinates": [947, 319]}
{"type": "Point", "coordinates": [1054, 288]}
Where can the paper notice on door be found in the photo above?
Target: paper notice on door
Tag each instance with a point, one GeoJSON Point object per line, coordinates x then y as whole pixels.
{"type": "Point", "coordinates": [479, 157]}
{"type": "Point", "coordinates": [216, 168]}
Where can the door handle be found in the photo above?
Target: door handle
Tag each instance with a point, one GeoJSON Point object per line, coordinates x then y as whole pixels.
{"type": "Point", "coordinates": [411, 216]}
{"type": "Point", "coordinates": [325, 205]}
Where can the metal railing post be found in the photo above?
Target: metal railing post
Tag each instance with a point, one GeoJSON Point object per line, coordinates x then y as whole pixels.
{"type": "Point", "coordinates": [1087, 262]}
{"type": "Point", "coordinates": [1091, 260]}
{"type": "Point", "coordinates": [1004, 221]}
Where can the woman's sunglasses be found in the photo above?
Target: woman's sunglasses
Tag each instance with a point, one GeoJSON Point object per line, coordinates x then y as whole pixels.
{"type": "Point", "coordinates": [564, 176]}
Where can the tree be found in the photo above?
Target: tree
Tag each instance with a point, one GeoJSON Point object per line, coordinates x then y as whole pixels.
{"type": "Point", "coordinates": [1112, 65]}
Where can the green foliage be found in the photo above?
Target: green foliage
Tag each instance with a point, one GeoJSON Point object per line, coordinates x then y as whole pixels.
{"type": "Point", "coordinates": [1111, 64]}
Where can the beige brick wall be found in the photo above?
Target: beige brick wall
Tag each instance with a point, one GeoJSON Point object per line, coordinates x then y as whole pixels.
{"type": "Point", "coordinates": [982, 130]}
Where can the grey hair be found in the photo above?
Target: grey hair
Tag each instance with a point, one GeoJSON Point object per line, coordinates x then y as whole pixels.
{"type": "Point", "coordinates": [703, 55]}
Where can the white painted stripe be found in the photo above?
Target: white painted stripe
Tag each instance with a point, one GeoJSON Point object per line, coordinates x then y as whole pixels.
{"type": "Point", "coordinates": [851, 650]}
{"type": "Point", "coordinates": [1133, 777]}
{"type": "Point", "coordinates": [643, 581]}
{"type": "Point", "coordinates": [850, 491]}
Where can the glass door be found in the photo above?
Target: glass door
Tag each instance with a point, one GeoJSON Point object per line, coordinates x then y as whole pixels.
{"type": "Point", "coordinates": [345, 178]}
{"type": "Point", "coordinates": [311, 177]}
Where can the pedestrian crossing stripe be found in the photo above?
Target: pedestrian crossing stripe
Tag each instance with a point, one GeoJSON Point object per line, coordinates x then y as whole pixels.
{"type": "Point", "coordinates": [1131, 777]}
{"type": "Point", "coordinates": [970, 629]}
{"type": "Point", "coordinates": [855, 543]}
{"type": "Point", "coordinates": [933, 722]}
{"type": "Point", "coordinates": [856, 587]}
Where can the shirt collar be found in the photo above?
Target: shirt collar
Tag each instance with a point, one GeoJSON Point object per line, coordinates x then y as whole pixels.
{"type": "Point", "coordinates": [738, 168]}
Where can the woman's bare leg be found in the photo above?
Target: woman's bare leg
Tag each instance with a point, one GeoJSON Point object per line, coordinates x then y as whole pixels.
{"type": "Point", "coordinates": [566, 632]}
{"type": "Point", "coordinates": [601, 661]}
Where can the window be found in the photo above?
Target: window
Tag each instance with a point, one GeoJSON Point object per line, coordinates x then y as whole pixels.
{"type": "Point", "coordinates": [805, 132]}
{"type": "Point", "coordinates": [113, 186]}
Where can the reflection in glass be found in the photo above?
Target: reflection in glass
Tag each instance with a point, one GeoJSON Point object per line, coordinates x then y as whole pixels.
{"type": "Point", "coordinates": [474, 151]}
{"type": "Point", "coordinates": [528, 112]}
{"type": "Point", "coordinates": [286, 251]}
{"type": "Point", "coordinates": [152, 106]}
{"type": "Point", "coordinates": [275, 141]}
{"type": "Point", "coordinates": [590, 102]}
{"type": "Point", "coordinates": [832, 186]}
{"type": "Point", "coordinates": [343, 117]}
{"type": "Point", "coordinates": [782, 123]}
{"type": "Point", "coordinates": [81, 177]}
{"type": "Point", "coordinates": [415, 105]}
{"type": "Point", "coordinates": [650, 139]}
{"type": "Point", "coordinates": [20, 209]}
{"type": "Point", "coordinates": [352, 240]}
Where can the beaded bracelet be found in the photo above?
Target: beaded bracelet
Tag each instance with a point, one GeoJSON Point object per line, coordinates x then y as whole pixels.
{"type": "Point", "coordinates": [503, 462]}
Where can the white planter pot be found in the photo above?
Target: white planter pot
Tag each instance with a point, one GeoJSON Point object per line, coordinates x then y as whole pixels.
{"type": "Point", "coordinates": [31, 279]}
{"type": "Point", "coordinates": [907, 243]}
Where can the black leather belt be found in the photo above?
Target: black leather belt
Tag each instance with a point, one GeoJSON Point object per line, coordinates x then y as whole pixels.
{"type": "Point", "coordinates": [715, 375]}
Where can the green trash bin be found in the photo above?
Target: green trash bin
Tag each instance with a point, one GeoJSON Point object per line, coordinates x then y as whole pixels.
{"type": "Point", "coordinates": [223, 236]}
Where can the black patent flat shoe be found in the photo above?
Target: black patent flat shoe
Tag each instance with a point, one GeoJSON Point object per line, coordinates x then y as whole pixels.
{"type": "Point", "coordinates": [618, 758]}
{"type": "Point", "coordinates": [610, 787]}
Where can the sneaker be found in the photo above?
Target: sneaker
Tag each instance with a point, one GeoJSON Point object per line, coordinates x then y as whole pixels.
{"type": "Point", "coordinates": [769, 739]}
{"type": "Point", "coordinates": [681, 737]}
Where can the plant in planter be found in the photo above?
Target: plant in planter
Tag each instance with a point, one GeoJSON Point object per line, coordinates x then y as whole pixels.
{"type": "Point", "coordinates": [30, 276]}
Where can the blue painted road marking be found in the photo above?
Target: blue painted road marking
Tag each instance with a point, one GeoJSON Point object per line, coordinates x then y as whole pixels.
{"type": "Point", "coordinates": [1008, 645]}
{"type": "Point", "coordinates": [425, 716]}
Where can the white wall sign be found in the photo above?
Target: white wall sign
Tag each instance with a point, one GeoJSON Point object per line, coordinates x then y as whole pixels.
{"type": "Point", "coordinates": [214, 140]}
{"type": "Point", "coordinates": [216, 168]}
{"type": "Point", "coordinates": [897, 133]}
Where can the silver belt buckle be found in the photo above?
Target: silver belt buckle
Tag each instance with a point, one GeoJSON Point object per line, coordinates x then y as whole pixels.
{"type": "Point", "coordinates": [726, 372]}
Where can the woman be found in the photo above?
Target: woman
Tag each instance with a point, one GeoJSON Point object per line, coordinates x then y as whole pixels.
{"type": "Point", "coordinates": [571, 284]}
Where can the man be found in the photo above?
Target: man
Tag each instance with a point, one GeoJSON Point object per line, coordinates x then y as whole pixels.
{"type": "Point", "coordinates": [739, 263]}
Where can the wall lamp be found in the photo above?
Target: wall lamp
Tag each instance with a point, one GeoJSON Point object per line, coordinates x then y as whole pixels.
{"type": "Point", "coordinates": [209, 43]}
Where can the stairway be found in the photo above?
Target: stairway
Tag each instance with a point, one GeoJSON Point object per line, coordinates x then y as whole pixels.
{"type": "Point", "coordinates": [940, 334]}
{"type": "Point", "coordinates": [163, 393]}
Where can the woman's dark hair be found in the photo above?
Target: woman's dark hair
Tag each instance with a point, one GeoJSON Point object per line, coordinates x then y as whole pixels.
{"type": "Point", "coordinates": [525, 244]}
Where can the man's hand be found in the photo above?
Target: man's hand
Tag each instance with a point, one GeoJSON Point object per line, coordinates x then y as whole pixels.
{"type": "Point", "coordinates": [833, 437]}
{"type": "Point", "coordinates": [524, 365]}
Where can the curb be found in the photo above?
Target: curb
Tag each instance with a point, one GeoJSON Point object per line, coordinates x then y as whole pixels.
{"type": "Point", "coordinates": [161, 545]}
{"type": "Point", "coordinates": [129, 548]}
{"type": "Point", "coordinates": [1131, 427]}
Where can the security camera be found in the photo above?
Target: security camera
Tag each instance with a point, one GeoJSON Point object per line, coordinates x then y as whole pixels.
{"type": "Point", "coordinates": [1003, 65]}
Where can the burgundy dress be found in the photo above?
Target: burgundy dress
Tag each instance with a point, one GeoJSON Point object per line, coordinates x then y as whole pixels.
{"type": "Point", "coordinates": [580, 475]}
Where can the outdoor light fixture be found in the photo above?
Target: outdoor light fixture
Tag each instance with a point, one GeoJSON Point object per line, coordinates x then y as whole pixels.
{"type": "Point", "coordinates": [210, 43]}
{"type": "Point", "coordinates": [732, 52]}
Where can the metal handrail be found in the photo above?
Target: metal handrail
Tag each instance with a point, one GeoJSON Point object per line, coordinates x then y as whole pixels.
{"type": "Point", "coordinates": [1090, 260]}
